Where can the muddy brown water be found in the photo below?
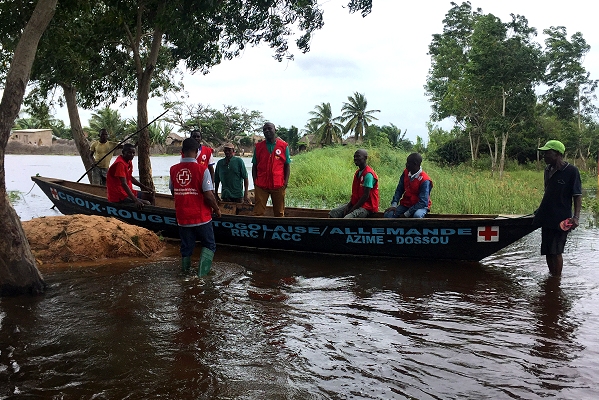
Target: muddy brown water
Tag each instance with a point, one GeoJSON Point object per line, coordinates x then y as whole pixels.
{"type": "Point", "coordinates": [272, 325]}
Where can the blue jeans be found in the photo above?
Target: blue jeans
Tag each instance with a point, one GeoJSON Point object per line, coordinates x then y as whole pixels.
{"type": "Point", "coordinates": [420, 213]}
{"type": "Point", "coordinates": [190, 234]}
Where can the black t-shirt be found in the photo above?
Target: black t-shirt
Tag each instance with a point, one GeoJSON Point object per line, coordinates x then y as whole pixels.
{"type": "Point", "coordinates": [557, 200]}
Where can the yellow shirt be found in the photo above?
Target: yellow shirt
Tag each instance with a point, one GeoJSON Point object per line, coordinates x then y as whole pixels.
{"type": "Point", "coordinates": [101, 149]}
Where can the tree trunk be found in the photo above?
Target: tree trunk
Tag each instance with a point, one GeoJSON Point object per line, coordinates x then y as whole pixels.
{"type": "Point", "coordinates": [70, 95]}
{"type": "Point", "coordinates": [504, 138]}
{"type": "Point", "coordinates": [144, 79]}
{"type": "Point", "coordinates": [143, 141]}
{"type": "Point", "coordinates": [18, 271]}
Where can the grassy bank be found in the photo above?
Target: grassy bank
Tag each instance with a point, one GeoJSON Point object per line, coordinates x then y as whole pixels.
{"type": "Point", "coordinates": [322, 178]}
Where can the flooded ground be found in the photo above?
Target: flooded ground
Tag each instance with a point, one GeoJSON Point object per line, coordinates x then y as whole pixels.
{"type": "Point", "coordinates": [271, 325]}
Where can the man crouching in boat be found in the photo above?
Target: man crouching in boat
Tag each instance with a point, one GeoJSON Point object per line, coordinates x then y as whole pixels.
{"type": "Point", "coordinates": [364, 193]}
{"type": "Point", "coordinates": [120, 180]}
{"type": "Point", "coordinates": [191, 184]}
{"type": "Point", "coordinates": [412, 198]}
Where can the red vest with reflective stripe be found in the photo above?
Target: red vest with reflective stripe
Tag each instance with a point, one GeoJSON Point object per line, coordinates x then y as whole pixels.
{"type": "Point", "coordinates": [412, 189]}
{"type": "Point", "coordinates": [271, 166]}
{"type": "Point", "coordinates": [357, 190]}
{"type": "Point", "coordinates": [190, 207]}
{"type": "Point", "coordinates": [204, 154]}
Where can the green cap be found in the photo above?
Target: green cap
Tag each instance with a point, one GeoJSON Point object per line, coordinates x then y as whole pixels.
{"type": "Point", "coordinates": [554, 145]}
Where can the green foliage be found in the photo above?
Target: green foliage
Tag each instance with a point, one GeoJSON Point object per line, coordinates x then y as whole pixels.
{"type": "Point", "coordinates": [329, 129]}
{"type": "Point", "coordinates": [14, 196]}
{"type": "Point", "coordinates": [322, 178]}
{"type": "Point", "coordinates": [569, 83]}
{"type": "Point", "coordinates": [375, 137]}
{"type": "Point", "coordinates": [290, 135]}
{"type": "Point", "coordinates": [396, 138]}
{"type": "Point", "coordinates": [231, 124]}
{"type": "Point", "coordinates": [159, 132]}
{"type": "Point", "coordinates": [106, 118]}
{"type": "Point", "coordinates": [356, 116]}
{"type": "Point", "coordinates": [483, 75]}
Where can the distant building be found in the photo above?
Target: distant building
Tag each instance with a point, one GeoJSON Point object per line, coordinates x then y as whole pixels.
{"type": "Point", "coordinates": [174, 140]}
{"type": "Point", "coordinates": [36, 137]}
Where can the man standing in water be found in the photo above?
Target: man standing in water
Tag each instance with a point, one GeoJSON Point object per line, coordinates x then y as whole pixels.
{"type": "Point", "coordinates": [191, 184]}
{"type": "Point", "coordinates": [554, 215]}
{"type": "Point", "coordinates": [98, 149]}
{"type": "Point", "coordinates": [364, 193]}
{"type": "Point", "coordinates": [270, 171]}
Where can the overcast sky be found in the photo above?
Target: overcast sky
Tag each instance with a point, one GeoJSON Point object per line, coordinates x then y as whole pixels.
{"type": "Point", "coordinates": [384, 56]}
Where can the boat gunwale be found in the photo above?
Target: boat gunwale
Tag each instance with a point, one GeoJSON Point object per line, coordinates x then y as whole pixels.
{"type": "Point", "coordinates": [429, 217]}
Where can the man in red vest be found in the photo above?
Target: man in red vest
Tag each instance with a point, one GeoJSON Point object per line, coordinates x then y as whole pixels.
{"type": "Point", "coordinates": [412, 198]}
{"type": "Point", "coordinates": [120, 181]}
{"type": "Point", "coordinates": [205, 155]}
{"type": "Point", "coordinates": [364, 193]}
{"type": "Point", "coordinates": [192, 186]}
{"type": "Point", "coordinates": [270, 171]}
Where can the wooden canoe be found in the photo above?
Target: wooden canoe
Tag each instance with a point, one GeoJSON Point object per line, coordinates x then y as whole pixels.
{"type": "Point", "coordinates": [437, 236]}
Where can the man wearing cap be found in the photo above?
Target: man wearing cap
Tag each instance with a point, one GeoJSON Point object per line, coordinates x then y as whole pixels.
{"type": "Point", "coordinates": [562, 188]}
{"type": "Point", "coordinates": [270, 171]}
{"type": "Point", "coordinates": [232, 174]}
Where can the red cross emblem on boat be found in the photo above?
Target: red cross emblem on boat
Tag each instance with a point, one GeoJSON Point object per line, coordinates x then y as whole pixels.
{"type": "Point", "coordinates": [488, 234]}
{"type": "Point", "coordinates": [184, 177]}
{"type": "Point", "coordinates": [54, 193]}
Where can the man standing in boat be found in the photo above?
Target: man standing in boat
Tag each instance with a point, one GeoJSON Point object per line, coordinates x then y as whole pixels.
{"type": "Point", "coordinates": [205, 155]}
{"type": "Point", "coordinates": [120, 180]}
{"type": "Point", "coordinates": [554, 215]}
{"type": "Point", "coordinates": [191, 185]}
{"type": "Point", "coordinates": [412, 198]}
{"type": "Point", "coordinates": [99, 150]}
{"type": "Point", "coordinates": [270, 171]}
{"type": "Point", "coordinates": [231, 172]}
{"type": "Point", "coordinates": [365, 191]}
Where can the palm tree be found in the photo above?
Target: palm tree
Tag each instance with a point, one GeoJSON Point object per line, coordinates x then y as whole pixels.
{"type": "Point", "coordinates": [329, 129]}
{"type": "Point", "coordinates": [356, 115]}
{"type": "Point", "coordinates": [110, 120]}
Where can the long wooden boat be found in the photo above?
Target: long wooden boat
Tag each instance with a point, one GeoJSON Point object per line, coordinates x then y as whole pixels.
{"type": "Point", "coordinates": [437, 236]}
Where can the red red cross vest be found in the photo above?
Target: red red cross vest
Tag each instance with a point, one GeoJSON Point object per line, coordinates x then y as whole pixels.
{"type": "Point", "coordinates": [114, 191]}
{"type": "Point", "coordinates": [412, 189]}
{"type": "Point", "coordinates": [271, 166]}
{"type": "Point", "coordinates": [357, 190]}
{"type": "Point", "coordinates": [204, 155]}
{"type": "Point", "coordinates": [190, 207]}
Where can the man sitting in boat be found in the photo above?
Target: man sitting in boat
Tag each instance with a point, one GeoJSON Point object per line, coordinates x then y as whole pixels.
{"type": "Point", "coordinates": [191, 185]}
{"type": "Point", "coordinates": [365, 191]}
{"type": "Point", "coordinates": [120, 180]}
{"type": "Point", "coordinates": [412, 198]}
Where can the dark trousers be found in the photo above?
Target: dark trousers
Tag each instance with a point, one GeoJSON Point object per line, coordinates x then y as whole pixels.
{"type": "Point", "coordinates": [201, 233]}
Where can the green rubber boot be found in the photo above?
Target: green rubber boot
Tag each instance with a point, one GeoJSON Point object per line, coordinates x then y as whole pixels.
{"type": "Point", "coordinates": [205, 263]}
{"type": "Point", "coordinates": [185, 264]}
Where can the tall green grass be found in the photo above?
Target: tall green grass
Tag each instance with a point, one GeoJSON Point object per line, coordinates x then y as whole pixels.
{"type": "Point", "coordinates": [322, 178]}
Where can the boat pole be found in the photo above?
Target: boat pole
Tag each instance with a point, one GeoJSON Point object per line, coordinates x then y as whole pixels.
{"type": "Point", "coordinates": [121, 142]}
